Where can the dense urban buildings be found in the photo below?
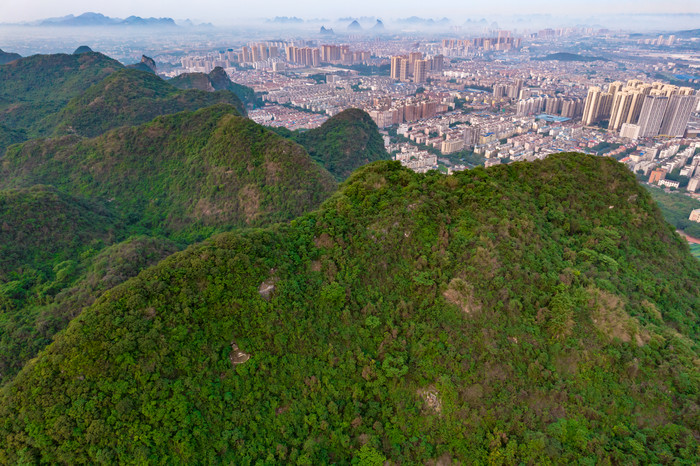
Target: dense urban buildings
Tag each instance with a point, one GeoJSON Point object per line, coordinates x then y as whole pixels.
{"type": "Point", "coordinates": [485, 98]}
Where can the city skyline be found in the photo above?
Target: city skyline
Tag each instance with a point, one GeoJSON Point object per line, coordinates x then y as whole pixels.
{"type": "Point", "coordinates": [222, 12]}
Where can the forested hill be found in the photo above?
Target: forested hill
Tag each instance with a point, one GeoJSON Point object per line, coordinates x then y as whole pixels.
{"type": "Point", "coordinates": [129, 97]}
{"type": "Point", "coordinates": [526, 313]}
{"type": "Point", "coordinates": [87, 93]}
{"type": "Point", "coordinates": [9, 136]}
{"type": "Point", "coordinates": [179, 178]}
{"type": "Point", "coordinates": [65, 225]}
{"type": "Point", "coordinates": [187, 174]}
{"type": "Point", "coordinates": [33, 87]}
{"type": "Point", "coordinates": [343, 143]}
{"type": "Point", "coordinates": [216, 80]}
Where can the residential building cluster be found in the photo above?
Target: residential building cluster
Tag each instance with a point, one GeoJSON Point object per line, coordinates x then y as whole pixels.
{"type": "Point", "coordinates": [417, 160]}
{"type": "Point", "coordinates": [465, 47]}
{"type": "Point", "coordinates": [413, 67]}
{"type": "Point", "coordinates": [645, 110]}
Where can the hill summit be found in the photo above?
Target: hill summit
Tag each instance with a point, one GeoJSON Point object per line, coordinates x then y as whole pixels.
{"type": "Point", "coordinates": [343, 143]}
{"type": "Point", "coordinates": [525, 313]}
{"type": "Point", "coordinates": [216, 80]}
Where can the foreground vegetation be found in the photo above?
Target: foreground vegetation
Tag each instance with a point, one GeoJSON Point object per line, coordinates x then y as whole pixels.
{"type": "Point", "coordinates": [518, 314]}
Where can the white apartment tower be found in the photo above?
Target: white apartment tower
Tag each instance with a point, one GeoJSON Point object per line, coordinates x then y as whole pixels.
{"type": "Point", "coordinates": [652, 115]}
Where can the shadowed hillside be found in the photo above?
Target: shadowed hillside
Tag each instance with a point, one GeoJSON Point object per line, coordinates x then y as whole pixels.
{"type": "Point", "coordinates": [343, 143]}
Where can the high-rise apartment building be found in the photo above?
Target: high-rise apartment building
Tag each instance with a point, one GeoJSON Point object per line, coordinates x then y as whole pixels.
{"type": "Point", "coordinates": [652, 114]}
{"type": "Point", "coordinates": [396, 67]}
{"type": "Point", "coordinates": [471, 136]}
{"type": "Point", "coordinates": [592, 106]}
{"type": "Point", "coordinates": [622, 102]}
{"type": "Point", "coordinates": [677, 114]}
{"type": "Point", "coordinates": [420, 71]}
{"type": "Point", "coordinates": [438, 63]}
{"type": "Point", "coordinates": [404, 70]}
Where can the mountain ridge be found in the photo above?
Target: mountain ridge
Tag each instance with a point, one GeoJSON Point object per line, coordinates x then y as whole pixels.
{"type": "Point", "coordinates": [520, 311]}
{"type": "Point", "coordinates": [90, 19]}
{"type": "Point", "coordinates": [216, 80]}
{"type": "Point", "coordinates": [216, 134]}
{"type": "Point", "coordinates": [128, 97]}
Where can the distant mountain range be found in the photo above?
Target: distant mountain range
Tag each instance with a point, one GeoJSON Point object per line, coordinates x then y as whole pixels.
{"type": "Point", "coordinates": [423, 22]}
{"type": "Point", "coordinates": [98, 19]}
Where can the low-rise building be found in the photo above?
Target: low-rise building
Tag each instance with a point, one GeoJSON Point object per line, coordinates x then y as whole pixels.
{"type": "Point", "coordinates": [695, 216]}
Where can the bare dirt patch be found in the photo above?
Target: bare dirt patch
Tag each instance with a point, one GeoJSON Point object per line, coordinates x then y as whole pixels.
{"type": "Point", "coordinates": [237, 356]}
{"type": "Point", "coordinates": [610, 318]}
{"type": "Point", "coordinates": [249, 202]}
{"type": "Point", "coordinates": [431, 397]}
{"type": "Point", "coordinates": [461, 294]}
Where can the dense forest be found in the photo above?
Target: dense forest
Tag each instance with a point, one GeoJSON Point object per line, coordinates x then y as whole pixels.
{"type": "Point", "coordinates": [179, 178]}
{"type": "Point", "coordinates": [182, 173]}
{"type": "Point", "coordinates": [343, 143]}
{"type": "Point", "coordinates": [518, 314]}
{"type": "Point", "coordinates": [128, 98]}
{"type": "Point", "coordinates": [34, 87]}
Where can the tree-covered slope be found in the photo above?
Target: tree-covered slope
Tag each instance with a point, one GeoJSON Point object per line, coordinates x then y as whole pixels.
{"type": "Point", "coordinates": [216, 80]}
{"type": "Point", "coordinates": [343, 143]}
{"type": "Point", "coordinates": [528, 313]}
{"type": "Point", "coordinates": [9, 136]}
{"type": "Point", "coordinates": [63, 292]}
{"type": "Point", "coordinates": [44, 235]}
{"type": "Point", "coordinates": [128, 97]}
{"type": "Point", "coordinates": [41, 226]}
{"type": "Point", "coordinates": [33, 87]}
{"type": "Point", "coordinates": [188, 173]}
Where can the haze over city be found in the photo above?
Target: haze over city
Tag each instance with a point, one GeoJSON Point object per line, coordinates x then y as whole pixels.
{"type": "Point", "coordinates": [223, 12]}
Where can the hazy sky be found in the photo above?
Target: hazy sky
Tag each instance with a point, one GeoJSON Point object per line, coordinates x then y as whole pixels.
{"type": "Point", "coordinates": [226, 11]}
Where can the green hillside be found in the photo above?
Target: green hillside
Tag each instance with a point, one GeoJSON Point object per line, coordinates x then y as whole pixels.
{"type": "Point", "coordinates": [9, 136]}
{"type": "Point", "coordinates": [33, 87]}
{"type": "Point", "coordinates": [343, 143]}
{"type": "Point", "coordinates": [695, 250]}
{"type": "Point", "coordinates": [530, 313]}
{"type": "Point", "coordinates": [66, 289]}
{"type": "Point", "coordinates": [187, 174]}
{"type": "Point", "coordinates": [41, 226]}
{"type": "Point", "coordinates": [128, 97]}
{"type": "Point", "coordinates": [216, 80]}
